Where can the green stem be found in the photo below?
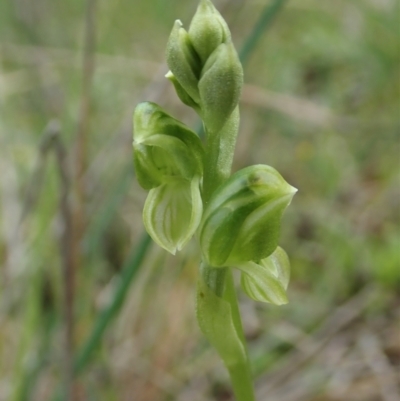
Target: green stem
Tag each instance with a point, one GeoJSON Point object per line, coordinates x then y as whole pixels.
{"type": "Point", "coordinates": [240, 374]}
{"type": "Point", "coordinates": [219, 319]}
{"type": "Point", "coordinates": [241, 382]}
{"type": "Point", "coordinates": [221, 294]}
{"type": "Point", "coordinates": [214, 277]}
{"type": "Point", "coordinates": [230, 296]}
{"type": "Point", "coordinates": [220, 148]}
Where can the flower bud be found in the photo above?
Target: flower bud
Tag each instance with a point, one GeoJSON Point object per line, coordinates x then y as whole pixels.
{"type": "Point", "coordinates": [182, 94]}
{"type": "Point", "coordinates": [242, 220]}
{"type": "Point", "coordinates": [164, 148]}
{"type": "Point", "coordinates": [220, 86]}
{"type": "Point", "coordinates": [183, 60]}
{"type": "Point", "coordinates": [207, 30]}
{"type": "Point", "coordinates": [172, 213]}
{"type": "Point", "coordinates": [267, 280]}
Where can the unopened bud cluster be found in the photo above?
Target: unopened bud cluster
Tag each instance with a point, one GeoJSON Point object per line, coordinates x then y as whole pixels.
{"type": "Point", "coordinates": [240, 223]}
{"type": "Point", "coordinates": [204, 66]}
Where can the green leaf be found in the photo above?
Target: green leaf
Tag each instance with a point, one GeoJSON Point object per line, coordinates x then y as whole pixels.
{"type": "Point", "coordinates": [172, 213]}
{"type": "Point", "coordinates": [219, 319]}
{"type": "Point", "coordinates": [214, 315]}
{"type": "Point", "coordinates": [267, 280]}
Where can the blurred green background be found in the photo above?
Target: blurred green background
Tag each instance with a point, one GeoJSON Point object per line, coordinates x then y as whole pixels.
{"type": "Point", "coordinates": [320, 104]}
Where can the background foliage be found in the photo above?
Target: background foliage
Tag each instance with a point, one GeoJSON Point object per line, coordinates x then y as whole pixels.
{"type": "Point", "coordinates": [320, 104]}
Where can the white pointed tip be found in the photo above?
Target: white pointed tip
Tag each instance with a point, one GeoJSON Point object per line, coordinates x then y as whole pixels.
{"type": "Point", "coordinates": [169, 75]}
{"type": "Point", "coordinates": [288, 195]}
{"type": "Point", "coordinates": [171, 250]}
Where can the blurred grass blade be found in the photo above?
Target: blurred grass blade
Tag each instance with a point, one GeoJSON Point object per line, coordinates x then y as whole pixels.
{"type": "Point", "coordinates": [130, 268]}
{"type": "Point", "coordinates": [265, 21]}
{"type": "Point", "coordinates": [103, 218]}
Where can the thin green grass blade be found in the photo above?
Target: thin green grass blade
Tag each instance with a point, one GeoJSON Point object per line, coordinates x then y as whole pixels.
{"type": "Point", "coordinates": [130, 268]}
{"type": "Point", "coordinates": [93, 235]}
{"type": "Point", "coordinates": [265, 21]}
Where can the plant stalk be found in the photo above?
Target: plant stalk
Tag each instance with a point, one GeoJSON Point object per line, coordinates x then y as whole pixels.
{"type": "Point", "coordinates": [220, 148]}
{"type": "Point", "coordinates": [219, 153]}
{"type": "Point", "coordinates": [240, 374]}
